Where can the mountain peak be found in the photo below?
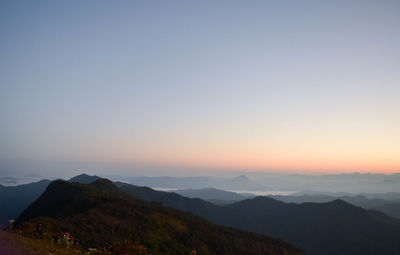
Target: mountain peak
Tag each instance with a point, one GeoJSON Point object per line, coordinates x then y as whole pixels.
{"type": "Point", "coordinates": [242, 177]}
{"type": "Point", "coordinates": [84, 178]}
{"type": "Point", "coordinates": [62, 198]}
{"type": "Point", "coordinates": [339, 203]}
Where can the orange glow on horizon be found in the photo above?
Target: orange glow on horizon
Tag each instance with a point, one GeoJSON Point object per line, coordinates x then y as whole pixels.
{"type": "Point", "coordinates": [275, 163]}
{"type": "Point", "coordinates": [292, 153]}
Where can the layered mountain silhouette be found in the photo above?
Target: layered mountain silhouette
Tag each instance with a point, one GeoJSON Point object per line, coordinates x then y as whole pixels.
{"type": "Point", "coordinates": [100, 215]}
{"type": "Point", "coordinates": [214, 195]}
{"type": "Point", "coordinates": [358, 200]}
{"type": "Point", "coordinates": [333, 228]}
{"type": "Point", "coordinates": [390, 207]}
{"type": "Point", "coordinates": [321, 228]}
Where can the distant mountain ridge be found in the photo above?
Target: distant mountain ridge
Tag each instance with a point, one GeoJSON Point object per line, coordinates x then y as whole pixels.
{"type": "Point", "coordinates": [390, 207]}
{"type": "Point", "coordinates": [329, 228]}
{"type": "Point", "coordinates": [211, 194]}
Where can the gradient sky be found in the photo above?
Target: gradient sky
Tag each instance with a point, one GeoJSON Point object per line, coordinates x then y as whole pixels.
{"type": "Point", "coordinates": [290, 86]}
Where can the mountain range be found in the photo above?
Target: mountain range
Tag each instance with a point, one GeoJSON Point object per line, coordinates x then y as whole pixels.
{"type": "Point", "coordinates": [331, 226]}
{"type": "Point", "coordinates": [100, 215]}
{"type": "Point", "coordinates": [213, 195]}
{"type": "Point", "coordinates": [335, 227]}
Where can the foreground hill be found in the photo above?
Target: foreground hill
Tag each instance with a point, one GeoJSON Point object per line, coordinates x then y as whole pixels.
{"type": "Point", "coordinates": [99, 215]}
{"type": "Point", "coordinates": [14, 199]}
{"type": "Point", "coordinates": [320, 228]}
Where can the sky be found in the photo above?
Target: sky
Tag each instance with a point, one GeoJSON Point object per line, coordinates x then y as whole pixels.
{"type": "Point", "coordinates": [154, 86]}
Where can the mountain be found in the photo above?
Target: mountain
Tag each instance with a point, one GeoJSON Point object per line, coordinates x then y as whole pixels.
{"type": "Point", "coordinates": [100, 215]}
{"type": "Point", "coordinates": [84, 178]}
{"type": "Point", "coordinates": [391, 209]}
{"type": "Point", "coordinates": [14, 199]}
{"type": "Point", "coordinates": [358, 200]}
{"type": "Point", "coordinates": [354, 183]}
{"type": "Point", "coordinates": [239, 183]}
{"type": "Point", "coordinates": [271, 217]}
{"type": "Point", "coordinates": [329, 228]}
{"type": "Point", "coordinates": [211, 194]}
{"type": "Point", "coordinates": [173, 200]}
{"type": "Point", "coordinates": [335, 227]}
{"type": "Point", "coordinates": [383, 196]}
{"type": "Point", "coordinates": [386, 196]}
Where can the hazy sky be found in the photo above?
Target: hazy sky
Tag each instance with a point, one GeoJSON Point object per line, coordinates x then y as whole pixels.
{"type": "Point", "coordinates": [292, 86]}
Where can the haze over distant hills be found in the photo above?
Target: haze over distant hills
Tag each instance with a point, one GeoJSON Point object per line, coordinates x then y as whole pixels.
{"type": "Point", "coordinates": [349, 183]}
{"type": "Point", "coordinates": [15, 198]}
{"type": "Point", "coordinates": [354, 183]}
{"type": "Point", "coordinates": [272, 217]}
{"type": "Point", "coordinates": [241, 182]}
{"type": "Point", "coordinates": [212, 194]}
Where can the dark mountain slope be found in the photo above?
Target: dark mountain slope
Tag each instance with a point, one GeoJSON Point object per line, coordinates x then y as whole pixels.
{"type": "Point", "coordinates": [328, 228]}
{"type": "Point", "coordinates": [320, 228]}
{"type": "Point", "coordinates": [173, 200]}
{"type": "Point", "coordinates": [99, 215]}
{"type": "Point", "coordinates": [389, 207]}
{"type": "Point", "coordinates": [62, 199]}
{"type": "Point", "coordinates": [14, 199]}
